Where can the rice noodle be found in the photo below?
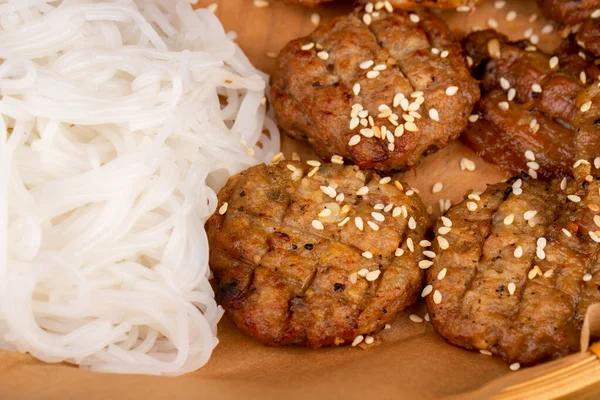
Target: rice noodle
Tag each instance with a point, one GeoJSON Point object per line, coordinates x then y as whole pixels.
{"type": "Point", "coordinates": [120, 122]}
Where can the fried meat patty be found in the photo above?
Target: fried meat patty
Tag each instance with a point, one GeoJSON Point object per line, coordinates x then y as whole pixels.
{"type": "Point", "coordinates": [516, 269]}
{"type": "Point", "coordinates": [381, 91]}
{"type": "Point", "coordinates": [525, 118]}
{"type": "Point", "coordinates": [569, 12]}
{"type": "Point", "coordinates": [315, 255]}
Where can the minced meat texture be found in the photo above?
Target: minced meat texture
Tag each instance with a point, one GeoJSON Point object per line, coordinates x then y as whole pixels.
{"type": "Point", "coordinates": [516, 274]}
{"type": "Point", "coordinates": [528, 104]}
{"type": "Point", "coordinates": [376, 93]}
{"type": "Point", "coordinates": [285, 279]}
{"type": "Point", "coordinates": [568, 12]}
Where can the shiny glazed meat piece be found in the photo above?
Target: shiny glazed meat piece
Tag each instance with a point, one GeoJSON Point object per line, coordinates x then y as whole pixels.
{"type": "Point", "coordinates": [568, 12]}
{"type": "Point", "coordinates": [524, 121]}
{"type": "Point", "coordinates": [517, 269]}
{"type": "Point", "coordinates": [315, 256]}
{"type": "Point", "coordinates": [380, 91]}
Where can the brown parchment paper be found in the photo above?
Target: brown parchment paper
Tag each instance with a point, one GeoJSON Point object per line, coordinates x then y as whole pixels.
{"type": "Point", "coordinates": [409, 361]}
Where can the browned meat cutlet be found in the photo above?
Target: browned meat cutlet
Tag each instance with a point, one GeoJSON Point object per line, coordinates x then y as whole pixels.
{"type": "Point", "coordinates": [419, 4]}
{"type": "Point", "coordinates": [400, 4]}
{"type": "Point", "coordinates": [587, 136]}
{"type": "Point", "coordinates": [524, 121]}
{"type": "Point", "coordinates": [381, 94]}
{"type": "Point", "coordinates": [315, 255]}
{"type": "Point", "coordinates": [588, 37]}
{"type": "Point", "coordinates": [569, 12]}
{"type": "Point", "coordinates": [516, 268]}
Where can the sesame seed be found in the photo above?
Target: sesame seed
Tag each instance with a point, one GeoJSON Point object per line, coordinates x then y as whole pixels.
{"type": "Point", "coordinates": [363, 272]}
{"type": "Point", "coordinates": [471, 206]}
{"type": "Point", "coordinates": [443, 243]}
{"type": "Point", "coordinates": [380, 67]}
{"type": "Point", "coordinates": [379, 206]}
{"type": "Point", "coordinates": [533, 272]}
{"type": "Point", "coordinates": [363, 113]}
{"type": "Point", "coordinates": [466, 164]}
{"type": "Point", "coordinates": [492, 23]}
{"type": "Point", "coordinates": [518, 253]}
{"type": "Point", "coordinates": [473, 118]}
{"type": "Point", "coordinates": [357, 340]}
{"type": "Point", "coordinates": [373, 225]}
{"type": "Point", "coordinates": [437, 297]}
{"type": "Point", "coordinates": [515, 366]}
{"type": "Point", "coordinates": [444, 54]}
{"type": "Point", "coordinates": [563, 184]}
{"type": "Point", "coordinates": [367, 132]}
{"type": "Point", "coordinates": [434, 115]}
{"type": "Point", "coordinates": [583, 79]}
{"type": "Point", "coordinates": [344, 221]}
{"type": "Point", "coordinates": [223, 208]}
{"type": "Point", "coordinates": [425, 264]}
{"type": "Point", "coordinates": [469, 61]}
{"type": "Point", "coordinates": [277, 157]}
{"type": "Point", "coordinates": [595, 13]}
{"type": "Point", "coordinates": [509, 219]}
{"type": "Point", "coordinates": [511, 94]}
{"type": "Point", "coordinates": [385, 180]}
{"type": "Point", "coordinates": [325, 213]}
{"type": "Point", "coordinates": [473, 196]}
{"type": "Point", "coordinates": [415, 318]}
{"type": "Point", "coordinates": [574, 198]}
{"type": "Point", "coordinates": [426, 291]}
{"type": "Point", "coordinates": [587, 277]}
{"type": "Point", "coordinates": [442, 274]}
{"type": "Point", "coordinates": [429, 254]}
{"type": "Point", "coordinates": [354, 122]}
{"type": "Point", "coordinates": [313, 163]}
{"type": "Point", "coordinates": [366, 64]}
{"type": "Point", "coordinates": [367, 254]}
{"type": "Point", "coordinates": [529, 154]}
{"type": "Point", "coordinates": [411, 127]}
{"type": "Point", "coordinates": [535, 39]}
{"type": "Point", "coordinates": [529, 215]}
{"type": "Point", "coordinates": [533, 17]}
{"type": "Point", "coordinates": [511, 16]}
{"type": "Point", "coordinates": [408, 117]}
{"type": "Point", "coordinates": [372, 74]}
{"type": "Point", "coordinates": [315, 18]}
{"type": "Point", "coordinates": [399, 252]}
{"type": "Point", "coordinates": [451, 90]}
{"type": "Point", "coordinates": [387, 326]}
{"type": "Point", "coordinates": [437, 187]}
{"type": "Point", "coordinates": [528, 32]}
{"type": "Point", "coordinates": [414, 18]}
{"type": "Point", "coordinates": [597, 162]}
{"type": "Point", "coordinates": [444, 230]}
{"type": "Point", "coordinates": [511, 288]}
{"type": "Point", "coordinates": [485, 352]}
{"type": "Point", "coordinates": [272, 54]}
{"type": "Point", "coordinates": [586, 106]}
{"type": "Point", "coordinates": [318, 225]}
{"type": "Point", "coordinates": [261, 3]}
{"type": "Point", "coordinates": [597, 220]}
{"type": "Point", "coordinates": [354, 140]}
{"type": "Point", "coordinates": [540, 253]}
{"type": "Point", "coordinates": [463, 9]}
{"type": "Point", "coordinates": [536, 88]}
{"type": "Point", "coordinates": [499, 4]}
{"type": "Point", "coordinates": [369, 340]}
{"type": "Point", "coordinates": [579, 162]}
{"type": "Point", "coordinates": [367, 19]}
{"type": "Point", "coordinates": [533, 165]}
{"type": "Point", "coordinates": [548, 273]}
{"type": "Point", "coordinates": [504, 83]}
{"type": "Point", "coordinates": [378, 216]}
{"type": "Point", "coordinates": [566, 232]}
{"type": "Point", "coordinates": [359, 223]}
{"type": "Point", "coordinates": [503, 105]}
{"type": "Point", "coordinates": [412, 224]}
{"type": "Point", "coordinates": [547, 29]}
{"type": "Point", "coordinates": [396, 212]}
{"type": "Point", "coordinates": [388, 6]}
{"type": "Point", "coordinates": [410, 245]}
{"type": "Point", "coordinates": [425, 243]}
{"type": "Point", "coordinates": [594, 236]}
{"type": "Point", "coordinates": [373, 275]}
{"type": "Point", "coordinates": [356, 89]}
{"type": "Point", "coordinates": [397, 99]}
{"type": "Point", "coordinates": [541, 242]}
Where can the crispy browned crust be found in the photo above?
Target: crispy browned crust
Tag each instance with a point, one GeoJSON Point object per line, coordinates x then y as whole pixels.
{"type": "Point", "coordinates": [542, 319]}
{"type": "Point", "coordinates": [284, 282]}
{"type": "Point", "coordinates": [568, 12]}
{"type": "Point", "coordinates": [313, 98]}
{"type": "Point", "coordinates": [541, 122]}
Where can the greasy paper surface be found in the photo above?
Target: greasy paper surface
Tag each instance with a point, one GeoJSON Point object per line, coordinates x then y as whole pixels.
{"type": "Point", "coordinates": [408, 361]}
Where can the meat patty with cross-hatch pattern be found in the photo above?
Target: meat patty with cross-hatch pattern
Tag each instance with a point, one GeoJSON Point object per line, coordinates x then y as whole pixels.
{"type": "Point", "coordinates": [315, 255]}
{"type": "Point", "coordinates": [381, 91]}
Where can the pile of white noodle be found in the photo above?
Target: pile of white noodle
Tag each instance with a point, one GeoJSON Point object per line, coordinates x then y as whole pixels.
{"type": "Point", "coordinates": [119, 121]}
